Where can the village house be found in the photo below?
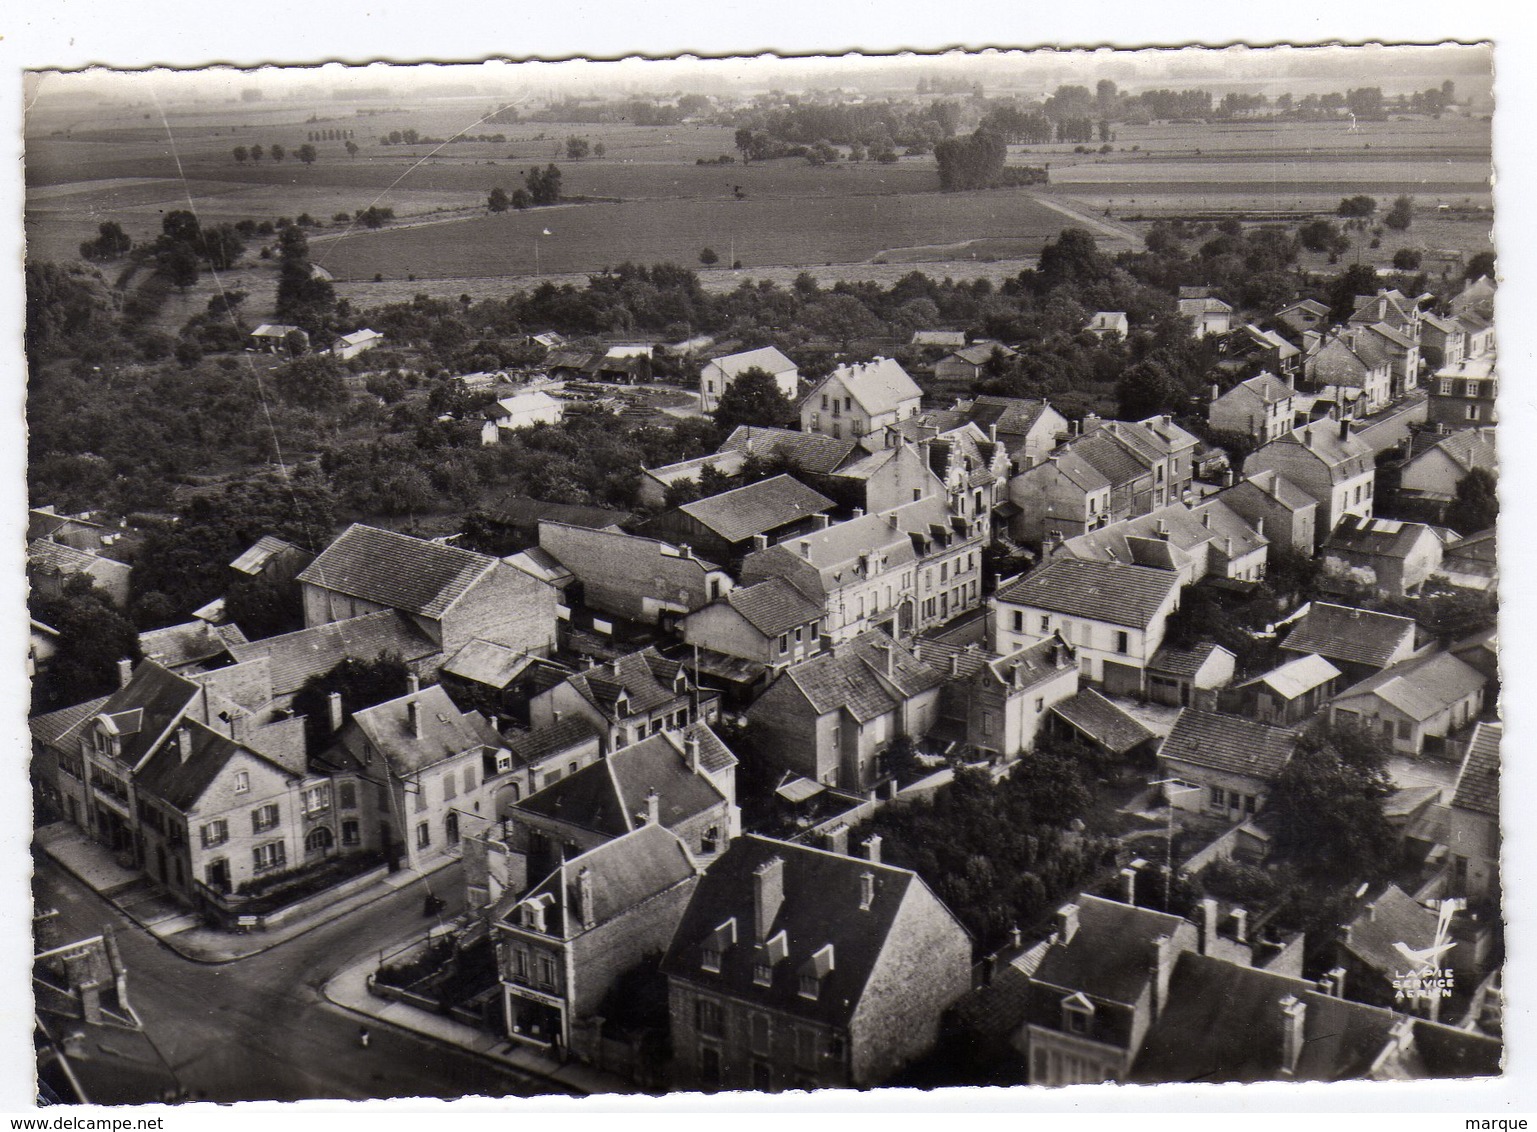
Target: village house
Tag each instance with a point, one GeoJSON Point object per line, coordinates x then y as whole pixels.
{"type": "Point", "coordinates": [718, 374]}
{"type": "Point", "coordinates": [1001, 704]}
{"type": "Point", "coordinates": [1027, 428]}
{"type": "Point", "coordinates": [1359, 642]}
{"type": "Point", "coordinates": [627, 699]}
{"type": "Point", "coordinates": [938, 339]}
{"type": "Point", "coordinates": [1109, 322]}
{"type": "Point", "coordinates": [831, 718]}
{"type": "Point", "coordinates": [859, 401]}
{"type": "Point", "coordinates": [1190, 677]}
{"type": "Point", "coordinates": [1327, 462]}
{"type": "Point", "coordinates": [425, 761]}
{"type": "Point", "coordinates": [497, 681]}
{"type": "Point", "coordinates": [1293, 693]}
{"type": "Point", "coordinates": [1206, 315]}
{"type": "Point", "coordinates": [727, 526]}
{"type": "Point", "coordinates": [968, 365]}
{"type": "Point", "coordinates": [1390, 557]}
{"type": "Point", "coordinates": [512, 521]}
{"type": "Point", "coordinates": [1464, 395]}
{"type": "Point", "coordinates": [1475, 298]}
{"type": "Point", "coordinates": [452, 595]}
{"type": "Point", "coordinates": [1443, 342]}
{"type": "Point", "coordinates": [71, 530]}
{"type": "Point", "coordinates": [1062, 496]}
{"type": "Point", "coordinates": [563, 945]}
{"type": "Point", "coordinates": [1091, 719]}
{"type": "Point", "coordinates": [1403, 352]}
{"type": "Point", "coordinates": [295, 658]}
{"type": "Point", "coordinates": [1112, 614]}
{"type": "Point", "coordinates": [971, 466]}
{"type": "Point", "coordinates": [51, 566]}
{"type": "Point", "coordinates": [528, 761]}
{"type": "Point", "coordinates": [1209, 540]}
{"type": "Point", "coordinates": [639, 579]}
{"type": "Point", "coordinates": [1473, 833]}
{"type": "Point", "coordinates": [1391, 308]}
{"type": "Point", "coordinates": [1232, 761]}
{"type": "Point", "coordinates": [797, 968]}
{"type": "Point", "coordinates": [1259, 408]}
{"type": "Point", "coordinates": [522, 410]}
{"type": "Point", "coordinates": [1441, 463]}
{"type": "Point", "coordinates": [351, 345]}
{"type": "Point", "coordinates": [279, 338]}
{"type": "Point", "coordinates": [271, 558]}
{"type": "Point", "coordinates": [194, 646]}
{"type": "Point", "coordinates": [1369, 951]}
{"type": "Point", "coordinates": [1268, 350]}
{"type": "Point", "coordinates": [1478, 334]}
{"type": "Point", "coordinates": [1304, 316]}
{"type": "Point", "coordinates": [1472, 563]}
{"type": "Point", "coordinates": [770, 623]}
{"type": "Point", "coordinates": [1417, 705]}
{"type": "Point", "coordinates": [1271, 503]}
{"type": "Point", "coordinates": [1354, 357]}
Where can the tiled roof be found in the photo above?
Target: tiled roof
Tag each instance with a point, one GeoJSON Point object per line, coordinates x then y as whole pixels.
{"type": "Point", "coordinates": [833, 552]}
{"type": "Point", "coordinates": [58, 558]}
{"type": "Point", "coordinates": [820, 907]}
{"type": "Point", "coordinates": [1468, 448]}
{"type": "Point", "coordinates": [1392, 917]}
{"type": "Point", "coordinates": [645, 678]}
{"type": "Point", "coordinates": [1420, 689]}
{"type": "Point", "coordinates": [1377, 538]}
{"type": "Point", "coordinates": [1077, 470]}
{"type": "Point", "coordinates": [808, 451]}
{"type": "Point", "coordinates": [952, 660]}
{"type": "Point", "coordinates": [1346, 457]}
{"type": "Point", "coordinates": [1277, 487]}
{"type": "Point", "coordinates": [738, 515]}
{"type": "Point", "coordinates": [1107, 957]}
{"type": "Point", "coordinates": [1102, 721]}
{"type": "Point", "coordinates": [773, 606]}
{"type": "Point", "coordinates": [609, 796]}
{"type": "Point", "coordinates": [879, 386]}
{"type": "Point", "coordinates": [518, 511]}
{"type": "Point", "coordinates": [1270, 340]}
{"type": "Point", "coordinates": [180, 781]}
{"type": "Point", "coordinates": [1478, 782]}
{"type": "Point", "coordinates": [979, 353]}
{"type": "Point", "coordinates": [1184, 662]}
{"type": "Point", "coordinates": [532, 747]}
{"type": "Point", "coordinates": [714, 755]}
{"type": "Point", "coordinates": [483, 662]}
{"type": "Point", "coordinates": [1012, 415]}
{"type": "Point", "coordinates": [176, 646]}
{"type": "Point", "coordinates": [1101, 591]}
{"type": "Point", "coordinates": [1113, 460]}
{"type": "Point", "coordinates": [622, 874]}
{"type": "Point", "coordinates": [1266, 386]}
{"type": "Point", "coordinates": [1206, 305]}
{"type": "Point", "coordinates": [255, 558]}
{"type": "Point", "coordinates": [409, 574]}
{"type": "Point", "coordinates": [152, 700]}
{"type": "Point", "coordinates": [855, 676]}
{"type": "Point", "coordinates": [445, 730]}
{"type": "Point", "coordinates": [57, 728]}
{"type": "Point", "coordinates": [766, 358]}
{"type": "Point", "coordinates": [1297, 677]}
{"type": "Point", "coordinates": [1356, 636]}
{"type": "Point", "coordinates": [295, 657]}
{"type": "Point", "coordinates": [1228, 743]}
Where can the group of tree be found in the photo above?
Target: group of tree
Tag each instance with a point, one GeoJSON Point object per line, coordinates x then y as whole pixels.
{"type": "Point", "coordinates": [578, 148]}
{"type": "Point", "coordinates": [329, 135]}
{"type": "Point", "coordinates": [542, 186]}
{"type": "Point", "coordinates": [879, 127]}
{"type": "Point", "coordinates": [93, 636]}
{"type": "Point", "coordinates": [303, 298]}
{"type": "Point", "coordinates": [185, 246]}
{"type": "Point", "coordinates": [977, 162]}
{"type": "Point", "coordinates": [111, 243]}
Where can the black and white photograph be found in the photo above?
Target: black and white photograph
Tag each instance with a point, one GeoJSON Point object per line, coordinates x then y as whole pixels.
{"type": "Point", "coordinates": [763, 573]}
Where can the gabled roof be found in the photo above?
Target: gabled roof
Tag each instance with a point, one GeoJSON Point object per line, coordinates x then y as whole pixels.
{"type": "Point", "coordinates": [980, 353]}
{"type": "Point", "coordinates": [879, 386]}
{"type": "Point", "coordinates": [1108, 320]}
{"type": "Point", "coordinates": [1101, 591]}
{"type": "Point", "coordinates": [1297, 677]}
{"type": "Point", "coordinates": [1345, 457]}
{"type": "Point", "coordinates": [1269, 340]}
{"type": "Point", "coordinates": [254, 559]}
{"type": "Point", "coordinates": [1102, 721]}
{"type": "Point", "coordinates": [528, 400]}
{"type": "Point", "coordinates": [1390, 918]}
{"type": "Point", "coordinates": [273, 330]}
{"type": "Point", "coordinates": [1478, 782]}
{"type": "Point", "coordinates": [1356, 636]}
{"type": "Point", "coordinates": [867, 676]}
{"type": "Point", "coordinates": [532, 747]}
{"type": "Point", "coordinates": [177, 646]}
{"type": "Point", "coordinates": [820, 910]}
{"type": "Point", "coordinates": [144, 709]}
{"type": "Point", "coordinates": [953, 660]}
{"type": "Point", "coordinates": [1185, 662]}
{"type": "Point", "coordinates": [766, 358]}
{"type": "Point", "coordinates": [180, 782]}
{"type": "Point", "coordinates": [484, 662]}
{"type": "Point", "coordinates": [738, 515]}
{"type": "Point", "coordinates": [1107, 957]}
{"type": "Point", "coordinates": [1468, 448]}
{"type": "Point", "coordinates": [1012, 415]}
{"type": "Point", "coordinates": [1278, 488]}
{"type": "Point", "coordinates": [1377, 538]}
{"type": "Point", "coordinates": [49, 557]}
{"type": "Point", "coordinates": [1307, 306]}
{"type": "Point", "coordinates": [832, 552]}
{"type": "Point", "coordinates": [1421, 688]}
{"type": "Point", "coordinates": [938, 338]}
{"type": "Point", "coordinates": [808, 451]}
{"type": "Point", "coordinates": [1267, 387]}
{"type": "Point", "coordinates": [645, 680]}
{"type": "Point", "coordinates": [1194, 308]}
{"type": "Point", "coordinates": [58, 728]}
{"type": "Point", "coordinates": [1228, 743]}
{"type": "Point", "coordinates": [1111, 458]}
{"type": "Point", "coordinates": [445, 730]}
{"type": "Point", "coordinates": [773, 606]}
{"type": "Point", "coordinates": [295, 657]}
{"type": "Point", "coordinates": [409, 574]}
{"type": "Point", "coordinates": [714, 755]}
{"type": "Point", "coordinates": [609, 796]}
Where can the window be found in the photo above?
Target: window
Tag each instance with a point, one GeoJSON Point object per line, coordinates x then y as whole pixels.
{"type": "Point", "coordinates": [423, 835]}
{"type": "Point", "coordinates": [1122, 641]}
{"type": "Point", "coordinates": [758, 1033]}
{"type": "Point", "coordinates": [1019, 621]}
{"type": "Point", "coordinates": [347, 795]}
{"type": "Point", "coordinates": [709, 957]}
{"type": "Point", "coordinates": [215, 832]}
{"type": "Point", "coordinates": [317, 800]}
{"type": "Point", "coordinates": [1471, 389]}
{"type": "Point", "coordinates": [272, 855]}
{"type": "Point", "coordinates": [1405, 730]}
{"type": "Point", "coordinates": [451, 827]}
{"type": "Point", "coordinates": [546, 971]}
{"type": "Point", "coordinates": [811, 986]}
{"type": "Point", "coordinates": [1077, 1015]}
{"type": "Point", "coordinates": [784, 642]}
{"type": "Point", "coordinates": [806, 1048]}
{"type": "Point", "coordinates": [1045, 623]}
{"type": "Point", "coordinates": [1472, 412]}
{"type": "Point", "coordinates": [708, 1018]}
{"type": "Point", "coordinates": [242, 782]}
{"type": "Point", "coordinates": [917, 494]}
{"type": "Point", "coordinates": [450, 787]}
{"type": "Point", "coordinates": [944, 572]}
{"type": "Point", "coordinates": [1216, 798]}
{"type": "Point", "coordinates": [351, 834]}
{"type": "Point", "coordinates": [264, 818]}
{"type": "Point", "coordinates": [319, 839]}
{"type": "Point", "coordinates": [1250, 803]}
{"type": "Point", "coordinates": [824, 400]}
{"type": "Point", "coordinates": [1040, 704]}
{"type": "Point", "coordinates": [419, 790]}
{"type": "Point", "coordinates": [709, 1065]}
{"type": "Point", "coordinates": [762, 1077]}
{"type": "Point", "coordinates": [987, 723]}
{"type": "Point", "coordinates": [762, 974]}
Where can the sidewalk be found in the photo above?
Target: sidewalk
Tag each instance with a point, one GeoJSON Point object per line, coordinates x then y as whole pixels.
{"type": "Point", "coordinates": [349, 990]}
{"type": "Point", "coordinates": [160, 914]}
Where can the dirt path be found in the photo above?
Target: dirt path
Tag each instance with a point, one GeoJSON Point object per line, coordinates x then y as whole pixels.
{"type": "Point", "coordinates": [1113, 229]}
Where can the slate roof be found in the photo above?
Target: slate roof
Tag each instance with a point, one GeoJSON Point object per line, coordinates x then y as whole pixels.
{"type": "Point", "coordinates": [1012, 415]}
{"type": "Point", "coordinates": [739, 514]}
{"type": "Point", "coordinates": [1228, 743]}
{"type": "Point", "coordinates": [1356, 636]}
{"type": "Point", "coordinates": [1107, 958]}
{"type": "Point", "coordinates": [58, 728]}
{"type": "Point", "coordinates": [773, 606]}
{"type": "Point", "coordinates": [254, 559]}
{"type": "Point", "coordinates": [1345, 458]}
{"type": "Point", "coordinates": [833, 551]}
{"type": "Point", "coordinates": [879, 385]}
{"type": "Point", "coordinates": [145, 707]}
{"type": "Point", "coordinates": [181, 782]}
{"type": "Point", "coordinates": [821, 907]}
{"type": "Point", "coordinates": [445, 730]}
{"type": "Point", "coordinates": [1376, 538]}
{"type": "Point", "coordinates": [1111, 592]}
{"type": "Point", "coordinates": [808, 451]}
{"type": "Point", "coordinates": [1223, 1022]}
{"type": "Point", "coordinates": [854, 676]}
{"type": "Point", "coordinates": [1422, 688]}
{"type": "Point", "coordinates": [609, 796]}
{"type": "Point", "coordinates": [979, 353]}
{"type": "Point", "coordinates": [1077, 470]}
{"type": "Point", "coordinates": [1205, 304]}
{"type": "Point", "coordinates": [295, 657]}
{"type": "Point", "coordinates": [1468, 448]}
{"type": "Point", "coordinates": [409, 574]}
{"type": "Point", "coordinates": [952, 660]}
{"type": "Point", "coordinates": [177, 646]}
{"type": "Point", "coordinates": [1478, 782]}
{"type": "Point", "coordinates": [1266, 386]}
{"type": "Point", "coordinates": [518, 511]}
{"type": "Point", "coordinates": [1297, 677]}
{"type": "Point", "coordinates": [1269, 340]}
{"type": "Point", "coordinates": [623, 873]}
{"type": "Point", "coordinates": [1102, 721]}
{"type": "Point", "coordinates": [1392, 917]}
{"type": "Point", "coordinates": [766, 358]}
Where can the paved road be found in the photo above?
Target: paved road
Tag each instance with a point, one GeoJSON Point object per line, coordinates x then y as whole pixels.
{"type": "Point", "coordinates": [259, 1029]}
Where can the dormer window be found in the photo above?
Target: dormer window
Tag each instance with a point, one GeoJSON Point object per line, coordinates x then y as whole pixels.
{"type": "Point", "coordinates": [814, 972]}
{"type": "Point", "coordinates": [762, 975]}
{"type": "Point", "coordinates": [713, 950]}
{"type": "Point", "coordinates": [1077, 1014]}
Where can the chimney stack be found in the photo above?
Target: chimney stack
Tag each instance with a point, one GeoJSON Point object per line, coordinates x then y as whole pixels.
{"type": "Point", "coordinates": [1067, 923]}
{"type": "Point", "coordinates": [873, 848]}
{"type": "Point", "coordinates": [1259, 527]}
{"type": "Point", "coordinates": [183, 743]}
{"type": "Point", "coordinates": [1161, 966]}
{"type": "Point", "coordinates": [1208, 925]}
{"type": "Point", "coordinates": [414, 717]}
{"type": "Point", "coordinates": [768, 894]}
{"type": "Point", "coordinates": [1241, 925]}
{"type": "Point", "coordinates": [760, 542]}
{"type": "Point", "coordinates": [824, 520]}
{"type": "Point", "coordinates": [124, 672]}
{"type": "Point", "coordinates": [1216, 391]}
{"type": "Point", "coordinates": [334, 707]}
{"type": "Point", "coordinates": [1016, 941]}
{"type": "Point", "coordinates": [1293, 1022]}
{"type": "Point", "coordinates": [691, 749]}
{"type": "Point", "coordinates": [1129, 886]}
{"type": "Point", "coordinates": [1227, 546]}
{"type": "Point", "coordinates": [836, 839]}
{"type": "Point", "coordinates": [585, 911]}
{"type": "Point", "coordinates": [685, 551]}
{"type": "Point", "coordinates": [413, 683]}
{"type": "Point", "coordinates": [866, 890]}
{"type": "Point", "coordinates": [653, 807]}
{"type": "Point", "coordinates": [1344, 429]}
{"type": "Point", "coordinates": [805, 545]}
{"type": "Point", "coordinates": [859, 512]}
{"type": "Point", "coordinates": [1337, 980]}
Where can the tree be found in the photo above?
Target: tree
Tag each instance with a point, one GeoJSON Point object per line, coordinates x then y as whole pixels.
{"type": "Point", "coordinates": [1407, 259]}
{"type": "Point", "coordinates": [1401, 215]}
{"type": "Point", "coordinates": [1321, 236]}
{"type": "Point", "coordinates": [599, 149]}
{"type": "Point", "coordinates": [1357, 207]}
{"type": "Point", "coordinates": [1072, 258]}
{"type": "Point", "coordinates": [241, 153]}
{"type": "Point", "coordinates": [1357, 279]}
{"type": "Point", "coordinates": [178, 262]}
{"type": "Point", "coordinates": [1327, 805]}
{"type": "Point", "coordinates": [543, 185]}
{"type": "Point", "coordinates": [93, 637]}
{"type": "Point", "coordinates": [1479, 266]}
{"type": "Point", "coordinates": [753, 399]}
{"type": "Point", "coordinates": [111, 243]}
{"type": "Point", "coordinates": [577, 148]}
{"type": "Point", "coordinates": [521, 199]}
{"type": "Point", "coordinates": [362, 682]}
{"type": "Point", "coordinates": [841, 317]}
{"type": "Point", "coordinates": [351, 147]}
{"type": "Point", "coordinates": [709, 257]}
{"type": "Point", "coordinates": [277, 152]}
{"type": "Point", "coordinates": [498, 200]}
{"type": "Point", "coordinates": [1478, 503]}
{"type": "Point", "coordinates": [306, 153]}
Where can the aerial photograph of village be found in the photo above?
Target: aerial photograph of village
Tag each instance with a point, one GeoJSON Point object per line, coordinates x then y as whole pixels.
{"type": "Point", "coordinates": [763, 574]}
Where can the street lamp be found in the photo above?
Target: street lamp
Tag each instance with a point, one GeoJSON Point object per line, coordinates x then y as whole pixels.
{"type": "Point", "coordinates": [1168, 866]}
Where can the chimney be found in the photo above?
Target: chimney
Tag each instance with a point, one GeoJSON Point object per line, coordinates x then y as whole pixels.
{"type": "Point", "coordinates": [653, 807]}
{"type": "Point", "coordinates": [760, 542]}
{"type": "Point", "coordinates": [1227, 546]}
{"type": "Point", "coordinates": [955, 664]}
{"type": "Point", "coordinates": [866, 890]}
{"type": "Point", "coordinates": [1160, 967]}
{"type": "Point", "coordinates": [1208, 925]}
{"type": "Point", "coordinates": [1206, 519]}
{"type": "Point", "coordinates": [584, 909]}
{"type": "Point", "coordinates": [768, 893]}
{"type": "Point", "coordinates": [413, 683]}
{"type": "Point", "coordinates": [1163, 529]}
{"type": "Point", "coordinates": [1294, 1014]}
{"type": "Point", "coordinates": [859, 512]}
{"type": "Point", "coordinates": [414, 717]}
{"type": "Point", "coordinates": [1016, 941]}
{"type": "Point", "coordinates": [1067, 923]}
{"type": "Point", "coordinates": [1371, 912]}
{"type": "Point", "coordinates": [554, 717]}
{"type": "Point", "coordinates": [1017, 674]}
{"type": "Point", "coordinates": [1216, 391]}
{"type": "Point", "coordinates": [1227, 478]}
{"type": "Point", "coordinates": [836, 839]}
{"type": "Point", "coordinates": [873, 848]}
{"type": "Point", "coordinates": [691, 748]}
{"type": "Point", "coordinates": [992, 432]}
{"type": "Point", "coordinates": [1129, 886]}
{"type": "Point", "coordinates": [183, 743]}
{"type": "Point", "coordinates": [124, 672]}
{"type": "Point", "coordinates": [888, 663]}
{"type": "Point", "coordinates": [824, 520]}
{"type": "Point", "coordinates": [334, 707]}
{"type": "Point", "coordinates": [1259, 527]}
{"type": "Point", "coordinates": [685, 551]}
{"type": "Point", "coordinates": [805, 547]}
{"type": "Point", "coordinates": [1241, 925]}
{"type": "Point", "coordinates": [1344, 430]}
{"type": "Point", "coordinates": [1337, 979]}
